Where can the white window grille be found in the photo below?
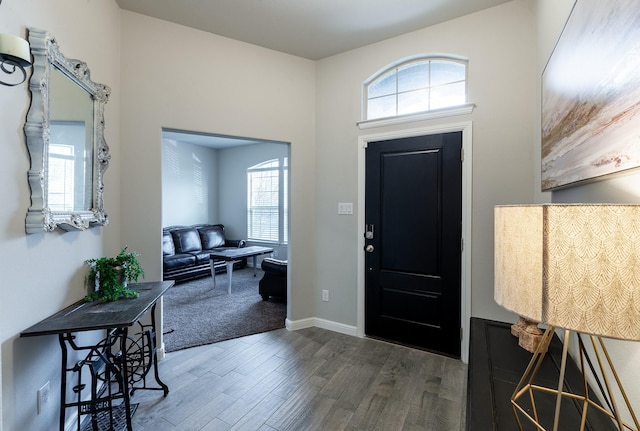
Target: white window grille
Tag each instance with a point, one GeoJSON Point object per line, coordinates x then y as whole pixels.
{"type": "Point", "coordinates": [416, 86]}
{"type": "Point", "coordinates": [61, 172]}
{"type": "Point", "coordinates": [267, 195]}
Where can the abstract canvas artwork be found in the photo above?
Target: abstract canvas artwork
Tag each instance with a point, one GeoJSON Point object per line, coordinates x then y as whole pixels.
{"type": "Point", "coordinates": [591, 95]}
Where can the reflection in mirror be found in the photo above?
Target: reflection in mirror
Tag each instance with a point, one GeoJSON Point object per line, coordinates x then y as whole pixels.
{"type": "Point", "coordinates": [70, 145]}
{"type": "Point", "coordinates": [69, 167]}
{"type": "Point", "coordinates": [65, 138]}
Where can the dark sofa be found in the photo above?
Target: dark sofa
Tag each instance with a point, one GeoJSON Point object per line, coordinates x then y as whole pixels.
{"type": "Point", "coordinates": [185, 250]}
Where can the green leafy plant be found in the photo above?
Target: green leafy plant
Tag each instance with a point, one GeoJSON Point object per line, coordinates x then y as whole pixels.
{"type": "Point", "coordinates": [110, 275]}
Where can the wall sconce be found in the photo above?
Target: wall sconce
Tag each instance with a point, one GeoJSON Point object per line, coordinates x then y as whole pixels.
{"type": "Point", "coordinates": [14, 55]}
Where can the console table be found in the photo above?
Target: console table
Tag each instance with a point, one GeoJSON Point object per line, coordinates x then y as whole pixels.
{"type": "Point", "coordinates": [496, 364]}
{"type": "Point", "coordinates": [119, 360]}
{"type": "Point", "coordinates": [231, 255]}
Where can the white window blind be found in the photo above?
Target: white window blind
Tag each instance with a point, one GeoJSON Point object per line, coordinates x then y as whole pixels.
{"type": "Point", "coordinates": [285, 202]}
{"type": "Point", "coordinates": [70, 165]}
{"type": "Point", "coordinates": [267, 201]}
{"type": "Point", "coordinates": [60, 195]}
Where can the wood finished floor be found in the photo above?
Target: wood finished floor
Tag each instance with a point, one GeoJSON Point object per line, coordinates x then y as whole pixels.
{"type": "Point", "coordinates": [311, 379]}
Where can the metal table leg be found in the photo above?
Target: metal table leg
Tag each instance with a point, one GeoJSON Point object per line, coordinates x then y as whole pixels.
{"type": "Point", "coordinates": [147, 358]}
{"type": "Point", "coordinates": [230, 273]}
{"type": "Point", "coordinates": [99, 356]}
{"type": "Point", "coordinates": [125, 376]}
{"type": "Point", "coordinates": [63, 380]}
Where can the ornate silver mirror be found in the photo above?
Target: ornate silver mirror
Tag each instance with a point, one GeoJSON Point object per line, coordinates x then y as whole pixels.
{"type": "Point", "coordinates": [65, 139]}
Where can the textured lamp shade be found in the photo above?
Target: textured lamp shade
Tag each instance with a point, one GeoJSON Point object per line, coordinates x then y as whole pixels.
{"type": "Point", "coordinates": [575, 267]}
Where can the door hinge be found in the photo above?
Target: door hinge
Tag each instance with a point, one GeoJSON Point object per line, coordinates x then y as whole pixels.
{"type": "Point", "coordinates": [461, 333]}
{"type": "Point", "coordinates": [462, 154]}
{"type": "Point", "coordinates": [461, 244]}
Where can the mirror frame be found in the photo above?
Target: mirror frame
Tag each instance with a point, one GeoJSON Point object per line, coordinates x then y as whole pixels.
{"type": "Point", "coordinates": [46, 55]}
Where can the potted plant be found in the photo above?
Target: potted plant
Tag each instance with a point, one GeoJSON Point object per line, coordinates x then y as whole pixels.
{"type": "Point", "coordinates": [110, 276]}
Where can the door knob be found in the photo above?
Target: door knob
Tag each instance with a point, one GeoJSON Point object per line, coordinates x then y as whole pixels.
{"type": "Point", "coordinates": [369, 248]}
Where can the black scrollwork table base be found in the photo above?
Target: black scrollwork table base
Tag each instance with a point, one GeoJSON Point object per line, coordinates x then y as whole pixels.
{"type": "Point", "coordinates": [119, 363]}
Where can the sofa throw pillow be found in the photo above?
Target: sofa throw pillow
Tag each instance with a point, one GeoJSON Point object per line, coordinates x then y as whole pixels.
{"type": "Point", "coordinates": [186, 240]}
{"type": "Point", "coordinates": [167, 244]}
{"type": "Point", "coordinates": [211, 237]}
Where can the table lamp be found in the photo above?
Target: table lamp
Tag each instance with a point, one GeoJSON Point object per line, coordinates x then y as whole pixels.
{"type": "Point", "coordinates": [573, 267]}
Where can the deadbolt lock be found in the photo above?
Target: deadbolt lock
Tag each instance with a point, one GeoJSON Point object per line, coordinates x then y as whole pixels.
{"type": "Point", "coordinates": [368, 233]}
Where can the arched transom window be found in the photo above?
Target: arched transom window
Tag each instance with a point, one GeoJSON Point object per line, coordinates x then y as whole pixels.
{"type": "Point", "coordinates": [417, 85]}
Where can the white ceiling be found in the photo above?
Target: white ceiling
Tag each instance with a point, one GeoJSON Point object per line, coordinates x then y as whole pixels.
{"type": "Point", "coordinates": [312, 29]}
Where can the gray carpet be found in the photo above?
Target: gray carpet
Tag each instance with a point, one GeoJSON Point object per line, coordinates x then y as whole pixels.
{"type": "Point", "coordinates": [195, 313]}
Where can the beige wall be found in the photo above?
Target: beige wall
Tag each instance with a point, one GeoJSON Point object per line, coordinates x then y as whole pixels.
{"type": "Point", "coordinates": [185, 201]}
{"type": "Point", "coordinates": [42, 273]}
{"type": "Point", "coordinates": [499, 43]}
{"type": "Point", "coordinates": [180, 78]}
{"type": "Point", "coordinates": [551, 17]}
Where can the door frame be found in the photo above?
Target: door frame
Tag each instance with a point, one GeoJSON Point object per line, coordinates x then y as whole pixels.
{"type": "Point", "coordinates": [465, 294]}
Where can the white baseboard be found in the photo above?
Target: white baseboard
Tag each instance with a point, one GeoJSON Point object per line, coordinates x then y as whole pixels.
{"type": "Point", "coordinates": [294, 325]}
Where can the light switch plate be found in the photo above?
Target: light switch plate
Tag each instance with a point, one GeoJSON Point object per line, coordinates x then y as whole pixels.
{"type": "Point", "coordinates": [345, 208]}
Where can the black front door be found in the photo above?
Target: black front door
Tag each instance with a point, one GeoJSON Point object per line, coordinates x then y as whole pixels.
{"type": "Point", "coordinates": [413, 216]}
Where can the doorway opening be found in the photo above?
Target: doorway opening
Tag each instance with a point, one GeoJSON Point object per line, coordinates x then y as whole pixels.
{"type": "Point", "coordinates": [210, 180]}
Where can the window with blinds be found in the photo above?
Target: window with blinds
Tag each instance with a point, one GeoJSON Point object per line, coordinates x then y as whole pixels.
{"type": "Point", "coordinates": [70, 167]}
{"type": "Point", "coordinates": [61, 177]}
{"type": "Point", "coordinates": [267, 201]}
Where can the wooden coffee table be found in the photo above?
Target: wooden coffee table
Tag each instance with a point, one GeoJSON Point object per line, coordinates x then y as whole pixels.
{"type": "Point", "coordinates": [231, 255]}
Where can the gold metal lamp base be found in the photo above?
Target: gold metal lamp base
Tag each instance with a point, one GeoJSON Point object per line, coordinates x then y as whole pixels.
{"type": "Point", "coordinates": [526, 386]}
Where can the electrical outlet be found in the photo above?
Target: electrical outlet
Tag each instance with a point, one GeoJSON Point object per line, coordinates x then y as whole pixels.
{"type": "Point", "coordinates": [325, 295]}
{"type": "Point", "coordinates": [43, 397]}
